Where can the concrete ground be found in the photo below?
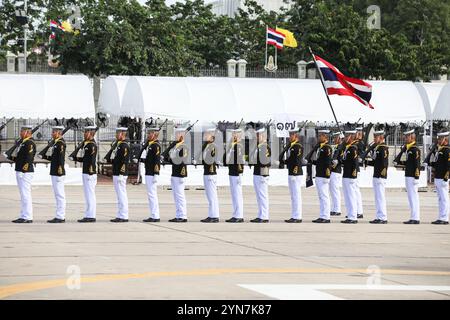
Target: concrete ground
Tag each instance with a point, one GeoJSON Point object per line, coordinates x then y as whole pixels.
{"type": "Point", "coordinates": [164, 260]}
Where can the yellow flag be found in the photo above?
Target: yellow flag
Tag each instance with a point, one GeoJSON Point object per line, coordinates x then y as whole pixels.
{"type": "Point", "coordinates": [289, 41]}
{"type": "Point", "coordinates": [67, 26]}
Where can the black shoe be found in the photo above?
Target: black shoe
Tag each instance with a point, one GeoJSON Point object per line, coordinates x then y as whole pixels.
{"type": "Point", "coordinates": [151, 220]}
{"type": "Point", "coordinates": [349, 221]}
{"type": "Point", "coordinates": [378, 221]}
{"type": "Point", "coordinates": [292, 220]}
{"type": "Point", "coordinates": [439, 222]}
{"type": "Point", "coordinates": [118, 220]}
{"type": "Point", "coordinates": [335, 214]}
{"type": "Point", "coordinates": [56, 220]}
{"type": "Point", "coordinates": [209, 219]}
{"type": "Point", "coordinates": [359, 216]}
{"type": "Point", "coordinates": [321, 220]}
{"type": "Point", "coordinates": [20, 220]}
{"type": "Point", "coordinates": [258, 220]}
{"type": "Point", "coordinates": [178, 220]}
{"type": "Point", "coordinates": [87, 220]}
{"type": "Point", "coordinates": [412, 222]}
{"type": "Point", "coordinates": [235, 220]}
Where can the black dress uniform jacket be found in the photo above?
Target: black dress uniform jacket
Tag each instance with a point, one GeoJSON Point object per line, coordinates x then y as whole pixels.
{"type": "Point", "coordinates": [412, 163]}
{"type": "Point", "coordinates": [121, 159]}
{"type": "Point", "coordinates": [323, 161]}
{"type": "Point", "coordinates": [262, 165]}
{"type": "Point", "coordinates": [350, 161]}
{"type": "Point", "coordinates": [209, 153]}
{"type": "Point", "coordinates": [89, 158]}
{"type": "Point", "coordinates": [153, 158]}
{"type": "Point", "coordinates": [180, 153]}
{"type": "Point", "coordinates": [25, 156]}
{"type": "Point", "coordinates": [294, 159]}
{"type": "Point", "coordinates": [441, 163]}
{"type": "Point", "coordinates": [337, 154]}
{"type": "Point", "coordinates": [57, 158]}
{"type": "Point", "coordinates": [234, 159]}
{"type": "Point", "coordinates": [380, 161]}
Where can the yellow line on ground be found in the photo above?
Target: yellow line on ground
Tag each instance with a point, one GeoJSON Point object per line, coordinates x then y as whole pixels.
{"type": "Point", "coordinates": [9, 290]}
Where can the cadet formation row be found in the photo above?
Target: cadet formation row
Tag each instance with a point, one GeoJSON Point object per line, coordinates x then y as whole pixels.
{"type": "Point", "coordinates": [332, 164]}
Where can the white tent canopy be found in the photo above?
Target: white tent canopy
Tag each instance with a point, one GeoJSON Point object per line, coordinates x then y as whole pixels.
{"type": "Point", "coordinates": [429, 93]}
{"type": "Point", "coordinates": [46, 96]}
{"type": "Point", "coordinates": [442, 110]}
{"type": "Point", "coordinates": [216, 99]}
{"type": "Point", "coordinates": [111, 94]}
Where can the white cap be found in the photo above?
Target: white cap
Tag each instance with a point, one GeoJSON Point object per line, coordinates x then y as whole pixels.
{"type": "Point", "coordinates": [210, 130]}
{"type": "Point", "coordinates": [26, 127]}
{"type": "Point", "coordinates": [262, 130]}
{"type": "Point", "coordinates": [294, 131]}
{"type": "Point", "coordinates": [359, 128]}
{"type": "Point", "coordinates": [89, 128]}
{"type": "Point", "coordinates": [150, 129]}
{"type": "Point", "coordinates": [443, 134]}
{"type": "Point", "coordinates": [379, 132]}
{"type": "Point", "coordinates": [325, 131]}
{"type": "Point", "coordinates": [409, 131]}
{"type": "Point", "coordinates": [180, 129]}
{"type": "Point", "coordinates": [57, 128]}
{"type": "Point", "coordinates": [121, 129]}
{"type": "Point", "coordinates": [235, 130]}
{"type": "Point", "coordinates": [336, 133]}
{"type": "Point", "coordinates": [350, 131]}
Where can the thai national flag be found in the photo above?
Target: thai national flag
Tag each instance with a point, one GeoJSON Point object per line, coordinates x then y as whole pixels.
{"type": "Point", "coordinates": [337, 83]}
{"type": "Point", "coordinates": [275, 38]}
{"type": "Point", "coordinates": [54, 26]}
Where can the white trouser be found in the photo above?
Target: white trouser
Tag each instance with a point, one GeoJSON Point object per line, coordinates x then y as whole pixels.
{"type": "Point", "coordinates": [323, 190]}
{"type": "Point", "coordinates": [380, 198]}
{"type": "Point", "coordinates": [151, 183]}
{"type": "Point", "coordinates": [349, 187]}
{"type": "Point", "coordinates": [236, 196]}
{"type": "Point", "coordinates": [26, 203]}
{"type": "Point", "coordinates": [358, 195]}
{"type": "Point", "coordinates": [444, 203]}
{"type": "Point", "coordinates": [60, 196]}
{"type": "Point", "coordinates": [412, 188]}
{"type": "Point", "coordinates": [179, 197]}
{"type": "Point", "coordinates": [262, 195]}
{"type": "Point", "coordinates": [210, 183]}
{"type": "Point", "coordinates": [295, 190]}
{"type": "Point", "coordinates": [120, 186]}
{"type": "Point", "coordinates": [335, 191]}
{"type": "Point", "coordinates": [89, 183]}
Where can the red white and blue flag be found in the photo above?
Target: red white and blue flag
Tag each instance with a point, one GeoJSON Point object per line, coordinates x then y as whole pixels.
{"type": "Point", "coordinates": [337, 83]}
{"type": "Point", "coordinates": [275, 38]}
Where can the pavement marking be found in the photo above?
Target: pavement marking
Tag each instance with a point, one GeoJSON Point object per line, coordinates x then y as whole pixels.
{"type": "Point", "coordinates": [313, 291]}
{"type": "Point", "coordinates": [9, 290]}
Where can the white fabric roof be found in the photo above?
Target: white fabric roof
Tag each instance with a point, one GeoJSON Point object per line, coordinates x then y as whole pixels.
{"type": "Point", "coordinates": [442, 110]}
{"type": "Point", "coordinates": [429, 93]}
{"type": "Point", "coordinates": [215, 99]}
{"type": "Point", "coordinates": [111, 94]}
{"type": "Point", "coordinates": [46, 96]}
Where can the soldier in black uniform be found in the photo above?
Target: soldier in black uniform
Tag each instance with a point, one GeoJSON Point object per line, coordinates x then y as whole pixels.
{"type": "Point", "coordinates": [120, 159]}
{"type": "Point", "coordinates": [23, 157]}
{"type": "Point", "coordinates": [412, 174]}
{"type": "Point", "coordinates": [209, 152]}
{"type": "Point", "coordinates": [152, 159]}
{"type": "Point", "coordinates": [294, 161]}
{"type": "Point", "coordinates": [261, 161]}
{"type": "Point", "coordinates": [361, 148]}
{"type": "Point", "coordinates": [57, 172]}
{"type": "Point", "coordinates": [178, 157]}
{"type": "Point", "coordinates": [336, 173]}
{"type": "Point", "coordinates": [89, 160]}
{"type": "Point", "coordinates": [323, 173]}
{"type": "Point", "coordinates": [234, 159]}
{"type": "Point", "coordinates": [380, 162]}
{"type": "Point", "coordinates": [441, 166]}
{"type": "Point", "coordinates": [350, 174]}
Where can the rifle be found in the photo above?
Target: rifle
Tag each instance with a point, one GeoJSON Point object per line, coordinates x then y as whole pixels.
{"type": "Point", "coordinates": [4, 125]}
{"type": "Point", "coordinates": [370, 148]}
{"type": "Point", "coordinates": [73, 155]}
{"type": "Point", "coordinates": [165, 154]}
{"type": "Point", "coordinates": [51, 143]}
{"type": "Point", "coordinates": [17, 143]}
{"type": "Point", "coordinates": [399, 156]}
{"type": "Point", "coordinates": [431, 151]}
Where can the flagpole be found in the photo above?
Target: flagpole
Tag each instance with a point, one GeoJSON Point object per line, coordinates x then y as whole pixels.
{"type": "Point", "coordinates": [265, 62]}
{"type": "Point", "coordinates": [324, 88]}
